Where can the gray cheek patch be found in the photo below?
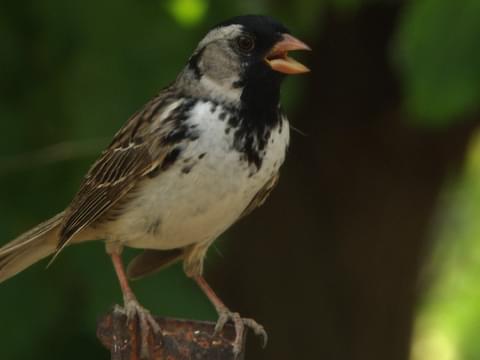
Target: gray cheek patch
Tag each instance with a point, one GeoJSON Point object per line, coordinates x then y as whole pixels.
{"type": "Point", "coordinates": [220, 63]}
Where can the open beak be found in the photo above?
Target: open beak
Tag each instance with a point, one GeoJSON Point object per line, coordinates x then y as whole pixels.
{"type": "Point", "coordinates": [278, 58]}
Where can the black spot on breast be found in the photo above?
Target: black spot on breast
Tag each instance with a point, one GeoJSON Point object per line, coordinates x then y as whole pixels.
{"type": "Point", "coordinates": [267, 135]}
{"type": "Point", "coordinates": [234, 120]}
{"type": "Point", "coordinates": [154, 227]}
{"type": "Point", "coordinates": [170, 159]}
{"type": "Point", "coordinates": [186, 169]}
{"type": "Point", "coordinates": [176, 135]}
{"type": "Point", "coordinates": [222, 115]}
{"type": "Point", "coordinates": [264, 141]}
{"type": "Point", "coordinates": [227, 130]}
{"type": "Point", "coordinates": [202, 155]}
{"type": "Point", "coordinates": [253, 127]}
{"type": "Point", "coordinates": [181, 131]}
{"type": "Point", "coordinates": [251, 152]}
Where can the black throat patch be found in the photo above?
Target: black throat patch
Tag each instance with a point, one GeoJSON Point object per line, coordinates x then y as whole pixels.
{"type": "Point", "coordinates": [258, 115]}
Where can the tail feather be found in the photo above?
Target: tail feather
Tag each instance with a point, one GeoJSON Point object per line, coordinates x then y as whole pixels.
{"type": "Point", "coordinates": [29, 247]}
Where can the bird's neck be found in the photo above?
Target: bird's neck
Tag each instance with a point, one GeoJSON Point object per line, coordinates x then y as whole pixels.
{"type": "Point", "coordinates": [257, 99]}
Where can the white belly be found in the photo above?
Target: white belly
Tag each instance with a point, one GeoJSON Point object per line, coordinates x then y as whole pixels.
{"type": "Point", "coordinates": [179, 207]}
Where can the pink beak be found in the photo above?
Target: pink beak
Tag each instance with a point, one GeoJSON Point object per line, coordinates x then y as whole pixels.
{"type": "Point", "coordinates": [278, 58]}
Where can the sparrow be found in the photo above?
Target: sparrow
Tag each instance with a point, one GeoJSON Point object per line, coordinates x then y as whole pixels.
{"type": "Point", "coordinates": [195, 159]}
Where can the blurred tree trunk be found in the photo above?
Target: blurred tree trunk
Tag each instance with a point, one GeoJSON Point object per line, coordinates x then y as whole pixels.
{"type": "Point", "coordinates": [347, 230]}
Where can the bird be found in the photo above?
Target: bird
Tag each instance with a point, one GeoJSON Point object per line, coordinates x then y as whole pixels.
{"type": "Point", "coordinates": [200, 155]}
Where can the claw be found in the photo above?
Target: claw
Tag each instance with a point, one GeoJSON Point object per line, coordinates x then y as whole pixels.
{"type": "Point", "coordinates": [133, 310]}
{"type": "Point", "coordinates": [222, 320]}
{"type": "Point", "coordinates": [225, 315]}
{"type": "Point", "coordinates": [258, 330]}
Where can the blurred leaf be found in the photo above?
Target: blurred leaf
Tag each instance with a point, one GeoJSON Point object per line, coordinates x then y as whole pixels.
{"type": "Point", "coordinates": [188, 12]}
{"type": "Point", "coordinates": [449, 321]}
{"type": "Point", "coordinates": [438, 53]}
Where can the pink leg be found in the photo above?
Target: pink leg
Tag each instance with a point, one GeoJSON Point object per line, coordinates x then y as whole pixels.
{"type": "Point", "coordinates": [122, 277]}
{"type": "Point", "coordinates": [132, 307]}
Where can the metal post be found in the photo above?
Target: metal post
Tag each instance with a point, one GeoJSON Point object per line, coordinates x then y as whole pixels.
{"type": "Point", "coordinates": [179, 339]}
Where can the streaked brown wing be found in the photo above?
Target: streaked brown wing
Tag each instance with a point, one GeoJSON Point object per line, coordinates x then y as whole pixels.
{"type": "Point", "coordinates": [111, 177]}
{"type": "Point", "coordinates": [261, 196]}
{"type": "Point", "coordinates": [135, 151]}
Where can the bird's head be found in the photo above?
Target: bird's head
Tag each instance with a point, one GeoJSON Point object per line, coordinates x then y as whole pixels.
{"type": "Point", "coordinates": [243, 56]}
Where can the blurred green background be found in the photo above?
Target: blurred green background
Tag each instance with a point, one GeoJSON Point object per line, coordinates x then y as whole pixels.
{"type": "Point", "coordinates": [370, 246]}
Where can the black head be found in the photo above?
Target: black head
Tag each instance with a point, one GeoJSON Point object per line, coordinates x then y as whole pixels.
{"type": "Point", "coordinates": [244, 52]}
{"type": "Point", "coordinates": [264, 27]}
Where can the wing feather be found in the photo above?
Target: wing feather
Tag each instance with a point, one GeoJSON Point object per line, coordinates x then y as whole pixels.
{"type": "Point", "coordinates": [129, 158]}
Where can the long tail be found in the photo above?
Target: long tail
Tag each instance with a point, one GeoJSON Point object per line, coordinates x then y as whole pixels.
{"type": "Point", "coordinates": [29, 247]}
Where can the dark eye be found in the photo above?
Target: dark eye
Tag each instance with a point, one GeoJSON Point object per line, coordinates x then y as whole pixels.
{"type": "Point", "coordinates": [245, 43]}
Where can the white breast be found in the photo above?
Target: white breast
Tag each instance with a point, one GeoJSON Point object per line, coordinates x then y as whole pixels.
{"type": "Point", "coordinates": [203, 192]}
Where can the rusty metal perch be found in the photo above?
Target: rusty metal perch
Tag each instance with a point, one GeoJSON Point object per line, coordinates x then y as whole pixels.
{"type": "Point", "coordinates": [179, 340]}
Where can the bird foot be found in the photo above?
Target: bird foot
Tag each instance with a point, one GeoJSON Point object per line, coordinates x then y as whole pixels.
{"type": "Point", "coordinates": [133, 310]}
{"type": "Point", "coordinates": [225, 315]}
